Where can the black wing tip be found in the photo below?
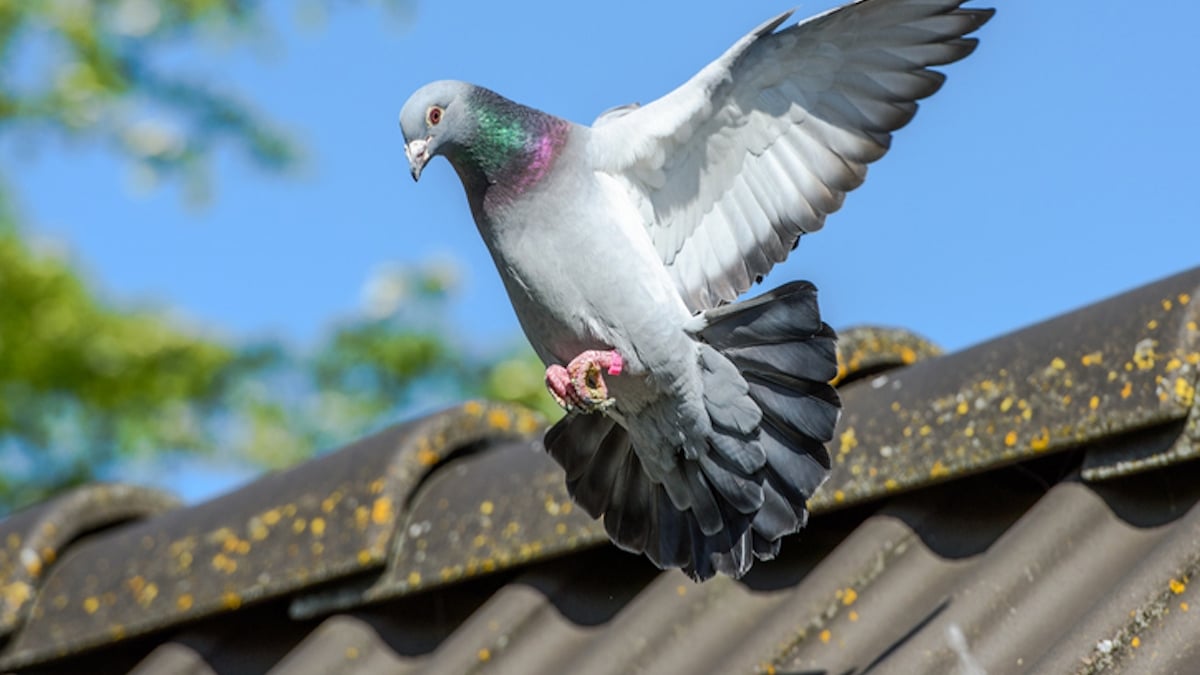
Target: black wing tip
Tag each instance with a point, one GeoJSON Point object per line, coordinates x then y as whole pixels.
{"type": "Point", "coordinates": [796, 286]}
{"type": "Point", "coordinates": [979, 15]}
{"type": "Point", "coordinates": [965, 46]}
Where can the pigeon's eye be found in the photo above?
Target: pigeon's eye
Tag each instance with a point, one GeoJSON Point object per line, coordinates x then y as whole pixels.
{"type": "Point", "coordinates": [433, 115]}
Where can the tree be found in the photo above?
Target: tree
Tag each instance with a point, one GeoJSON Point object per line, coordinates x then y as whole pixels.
{"type": "Point", "coordinates": [84, 383]}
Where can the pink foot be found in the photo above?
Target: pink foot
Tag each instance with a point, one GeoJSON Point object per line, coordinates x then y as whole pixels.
{"type": "Point", "coordinates": [558, 383]}
{"type": "Point", "coordinates": [581, 384]}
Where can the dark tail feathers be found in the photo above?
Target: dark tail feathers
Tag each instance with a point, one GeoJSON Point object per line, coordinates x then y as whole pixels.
{"type": "Point", "coordinates": [787, 357]}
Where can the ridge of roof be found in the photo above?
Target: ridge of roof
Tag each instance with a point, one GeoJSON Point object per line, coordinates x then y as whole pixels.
{"type": "Point", "coordinates": [33, 539]}
{"type": "Point", "coordinates": [1116, 366]}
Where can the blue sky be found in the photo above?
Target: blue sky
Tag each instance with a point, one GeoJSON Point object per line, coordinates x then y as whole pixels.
{"type": "Point", "coordinates": [1055, 167]}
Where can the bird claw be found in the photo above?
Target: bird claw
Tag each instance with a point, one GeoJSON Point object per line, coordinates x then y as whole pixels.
{"type": "Point", "coordinates": [558, 383]}
{"type": "Point", "coordinates": [580, 385]}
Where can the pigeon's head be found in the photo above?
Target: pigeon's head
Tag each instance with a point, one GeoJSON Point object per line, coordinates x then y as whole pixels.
{"type": "Point", "coordinates": [432, 119]}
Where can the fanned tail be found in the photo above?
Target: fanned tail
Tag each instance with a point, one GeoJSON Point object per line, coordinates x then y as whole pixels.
{"type": "Point", "coordinates": [787, 356]}
{"type": "Point", "coordinates": [765, 367]}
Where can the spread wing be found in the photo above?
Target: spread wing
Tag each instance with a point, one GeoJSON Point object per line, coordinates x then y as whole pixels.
{"type": "Point", "coordinates": [732, 167]}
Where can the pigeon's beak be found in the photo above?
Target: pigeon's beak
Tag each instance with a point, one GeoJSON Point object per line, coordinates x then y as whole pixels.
{"type": "Point", "coordinates": [418, 154]}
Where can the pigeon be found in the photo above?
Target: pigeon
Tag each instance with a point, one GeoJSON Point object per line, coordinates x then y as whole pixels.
{"type": "Point", "coordinates": [696, 423]}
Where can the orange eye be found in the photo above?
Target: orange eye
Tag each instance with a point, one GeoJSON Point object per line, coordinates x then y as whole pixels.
{"type": "Point", "coordinates": [433, 116]}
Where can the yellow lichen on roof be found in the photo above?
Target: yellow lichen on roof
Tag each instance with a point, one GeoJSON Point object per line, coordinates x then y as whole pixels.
{"type": "Point", "coordinates": [257, 529]}
{"type": "Point", "coordinates": [847, 441]}
{"type": "Point", "coordinates": [32, 562]}
{"type": "Point", "coordinates": [849, 596]}
{"type": "Point", "coordinates": [938, 470]}
{"type": "Point", "coordinates": [16, 593]}
{"type": "Point", "coordinates": [527, 422]}
{"type": "Point", "coordinates": [223, 563]}
{"type": "Point", "coordinates": [145, 597]}
{"type": "Point", "coordinates": [330, 503]}
{"type": "Point", "coordinates": [231, 600]}
{"type": "Point", "coordinates": [427, 457]}
{"type": "Point", "coordinates": [381, 511]}
{"type": "Point", "coordinates": [499, 419]}
{"type": "Point", "coordinates": [1144, 354]}
{"type": "Point", "coordinates": [1041, 441]}
{"type": "Point", "coordinates": [1185, 391]}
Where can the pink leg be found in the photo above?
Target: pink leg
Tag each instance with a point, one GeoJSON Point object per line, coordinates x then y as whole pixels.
{"type": "Point", "coordinates": [587, 377]}
{"type": "Point", "coordinates": [558, 382]}
{"type": "Point", "coordinates": [580, 385]}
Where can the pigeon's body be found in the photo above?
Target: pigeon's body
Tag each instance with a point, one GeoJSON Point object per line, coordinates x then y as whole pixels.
{"type": "Point", "coordinates": [570, 304]}
{"type": "Point", "coordinates": [565, 303]}
{"type": "Point", "coordinates": [586, 299]}
{"type": "Point", "coordinates": [620, 245]}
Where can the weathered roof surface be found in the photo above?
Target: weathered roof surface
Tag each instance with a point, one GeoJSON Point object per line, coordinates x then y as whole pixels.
{"type": "Point", "coordinates": [34, 539]}
{"type": "Point", "coordinates": [1026, 505]}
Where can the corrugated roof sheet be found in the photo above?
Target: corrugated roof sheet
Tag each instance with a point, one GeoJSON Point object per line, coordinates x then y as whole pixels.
{"type": "Point", "coordinates": [1021, 506]}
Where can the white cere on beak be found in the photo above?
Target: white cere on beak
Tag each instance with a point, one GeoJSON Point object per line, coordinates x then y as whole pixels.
{"type": "Point", "coordinates": [417, 153]}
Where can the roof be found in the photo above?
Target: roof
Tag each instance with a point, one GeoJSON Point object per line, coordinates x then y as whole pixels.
{"type": "Point", "coordinates": [1025, 505]}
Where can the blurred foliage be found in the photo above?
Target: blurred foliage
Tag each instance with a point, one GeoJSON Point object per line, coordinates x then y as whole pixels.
{"type": "Point", "coordinates": [88, 68]}
{"type": "Point", "coordinates": [78, 380]}
{"type": "Point", "coordinates": [374, 368]}
{"type": "Point", "coordinates": [85, 384]}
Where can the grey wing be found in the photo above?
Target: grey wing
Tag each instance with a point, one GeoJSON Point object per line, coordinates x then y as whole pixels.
{"type": "Point", "coordinates": [728, 170]}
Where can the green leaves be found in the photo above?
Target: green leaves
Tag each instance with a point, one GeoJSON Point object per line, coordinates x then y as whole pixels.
{"type": "Point", "coordinates": [86, 384]}
{"type": "Point", "coordinates": [56, 337]}
{"type": "Point", "coordinates": [81, 382]}
{"type": "Point", "coordinates": [88, 69]}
